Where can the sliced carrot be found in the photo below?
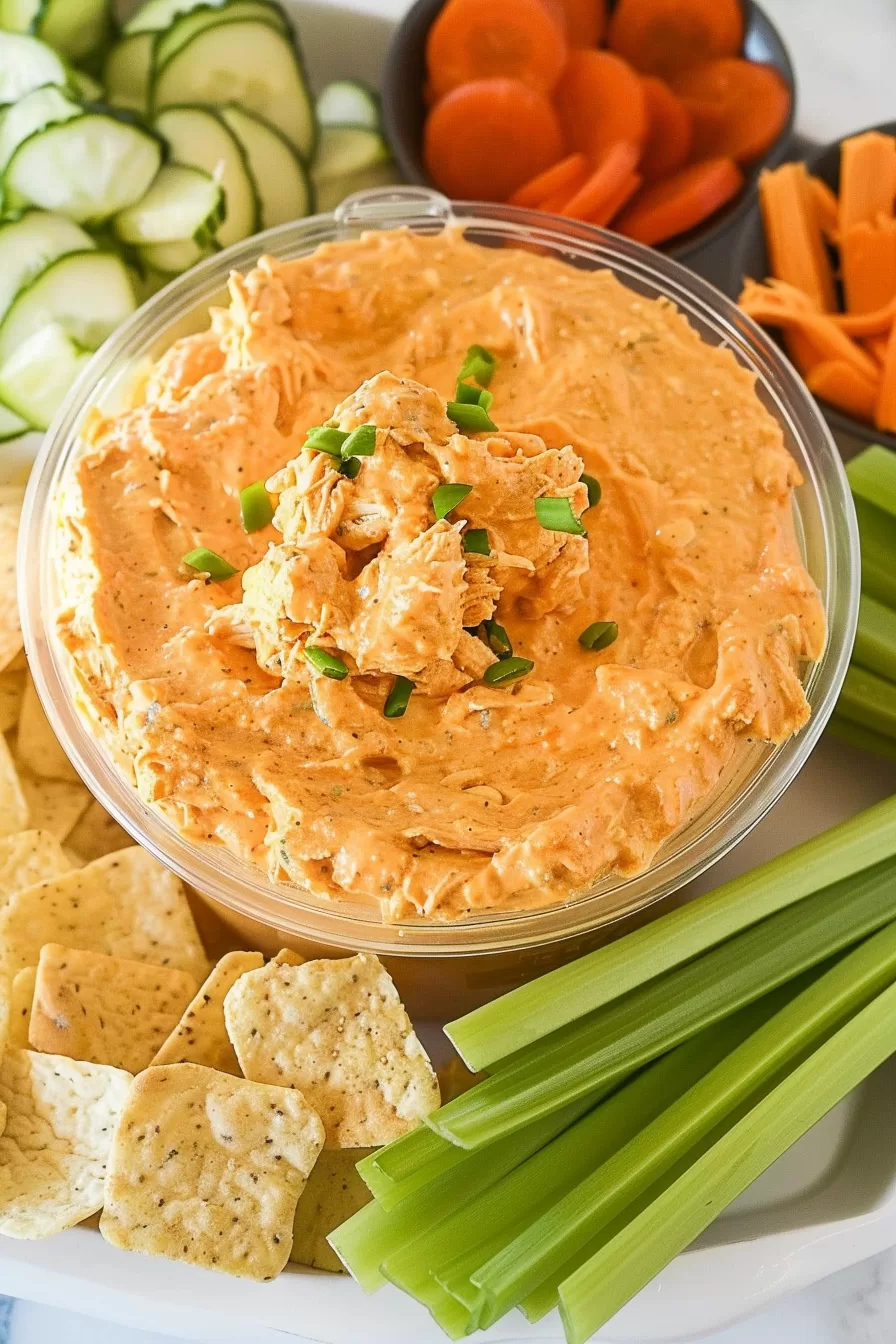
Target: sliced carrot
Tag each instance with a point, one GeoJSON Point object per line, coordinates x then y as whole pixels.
{"type": "Point", "coordinates": [584, 21]}
{"type": "Point", "coordinates": [796, 248]}
{"type": "Point", "coordinates": [838, 382]}
{"type": "Point", "coordinates": [515, 39]}
{"type": "Point", "coordinates": [553, 204]}
{"type": "Point", "coordinates": [739, 108]}
{"type": "Point", "coordinates": [826, 207]}
{"type": "Point", "coordinates": [670, 131]}
{"type": "Point", "coordinates": [885, 409]}
{"type": "Point", "coordinates": [867, 178]}
{"type": "Point", "coordinates": [873, 322]}
{"type": "Point", "coordinates": [485, 139]}
{"type": "Point", "coordinates": [781, 305]}
{"type": "Point", "coordinates": [567, 175]}
{"type": "Point", "coordinates": [877, 346]}
{"type": "Point", "coordinates": [680, 202]}
{"type": "Point", "coordinates": [615, 167]}
{"type": "Point", "coordinates": [600, 100]}
{"type": "Point", "coordinates": [623, 195]}
{"type": "Point", "coordinates": [868, 265]}
{"type": "Point", "coordinates": [662, 37]}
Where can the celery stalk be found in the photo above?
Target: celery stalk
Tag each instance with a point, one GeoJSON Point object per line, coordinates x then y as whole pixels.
{"type": "Point", "coordinates": [546, 1243]}
{"type": "Point", "coordinates": [393, 1172]}
{"type": "Point", "coordinates": [535, 1010]}
{"type": "Point", "coordinates": [875, 646]}
{"type": "Point", "coordinates": [597, 1290]}
{"type": "Point", "coordinates": [863, 738]}
{"type": "Point", "coordinates": [631, 1031]}
{"type": "Point", "coordinates": [877, 539]}
{"type": "Point", "coordinates": [872, 476]}
{"type": "Point", "coordinates": [868, 700]}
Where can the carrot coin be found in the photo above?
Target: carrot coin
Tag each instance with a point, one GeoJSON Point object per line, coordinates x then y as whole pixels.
{"type": "Point", "coordinates": [670, 131]}
{"type": "Point", "coordinates": [584, 21]}
{"type": "Point", "coordinates": [680, 202]}
{"type": "Point", "coordinates": [739, 108]}
{"type": "Point", "coordinates": [600, 100]}
{"type": "Point", "coordinates": [516, 39]}
{"type": "Point", "coordinates": [663, 37]}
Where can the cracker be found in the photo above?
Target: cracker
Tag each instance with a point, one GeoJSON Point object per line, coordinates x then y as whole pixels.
{"type": "Point", "coordinates": [200, 1037]}
{"type": "Point", "coordinates": [37, 746]}
{"type": "Point", "coordinates": [61, 1115]}
{"type": "Point", "coordinates": [29, 857]}
{"type": "Point", "coordinates": [96, 833]}
{"type": "Point", "coordinates": [208, 1169]}
{"type": "Point", "coordinates": [338, 1031]}
{"type": "Point", "coordinates": [104, 1009]}
{"type": "Point", "coordinates": [13, 806]}
{"type": "Point", "coordinates": [334, 1192]}
{"type": "Point", "coordinates": [286, 957]}
{"type": "Point", "coordinates": [54, 805]}
{"type": "Point", "coordinates": [5, 1011]}
{"type": "Point", "coordinates": [20, 1001]}
{"type": "Point", "coordinates": [125, 905]}
{"type": "Point", "coordinates": [12, 687]}
{"type": "Point", "coordinates": [10, 629]}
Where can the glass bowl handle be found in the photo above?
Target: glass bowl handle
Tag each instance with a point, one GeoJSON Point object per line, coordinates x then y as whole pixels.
{"type": "Point", "coordinates": [389, 208]}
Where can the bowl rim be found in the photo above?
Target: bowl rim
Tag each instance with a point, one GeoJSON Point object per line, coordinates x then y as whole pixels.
{"type": "Point", "coordinates": [241, 887]}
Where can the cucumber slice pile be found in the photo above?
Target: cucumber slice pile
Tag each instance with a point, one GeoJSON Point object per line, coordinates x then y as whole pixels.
{"type": "Point", "coordinates": [202, 131]}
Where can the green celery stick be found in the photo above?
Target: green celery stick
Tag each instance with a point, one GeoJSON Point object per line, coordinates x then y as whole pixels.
{"type": "Point", "coordinates": [393, 1172]}
{"type": "Point", "coordinates": [875, 646]}
{"type": "Point", "coordinates": [863, 738]}
{"type": "Point", "coordinates": [872, 476]}
{"type": "Point", "coordinates": [868, 700]}
{"type": "Point", "coordinates": [877, 537]}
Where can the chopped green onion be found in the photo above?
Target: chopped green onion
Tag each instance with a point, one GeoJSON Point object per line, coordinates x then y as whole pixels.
{"type": "Point", "coordinates": [468, 395]}
{"type": "Point", "coordinates": [398, 697]}
{"type": "Point", "coordinates": [599, 636]}
{"type": "Point", "coordinates": [210, 563]}
{"type": "Point", "coordinates": [472, 419]}
{"type": "Point", "coordinates": [447, 497]}
{"type": "Point", "coordinates": [498, 639]}
{"type": "Point", "coordinates": [361, 442]}
{"type": "Point", "coordinates": [475, 541]}
{"type": "Point", "coordinates": [350, 467]}
{"type": "Point", "coordinates": [323, 439]}
{"type": "Point", "coordinates": [533, 1011]}
{"type": "Point", "coordinates": [555, 514]}
{"type": "Point", "coordinates": [479, 364]}
{"type": "Point", "coordinates": [592, 485]}
{"type": "Point", "coordinates": [327, 663]}
{"type": "Point", "coordinates": [256, 509]}
{"type": "Point", "coordinates": [506, 670]}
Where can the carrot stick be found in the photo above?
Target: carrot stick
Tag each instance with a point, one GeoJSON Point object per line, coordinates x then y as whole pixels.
{"type": "Point", "coordinates": [838, 382]}
{"type": "Point", "coordinates": [680, 202]}
{"type": "Point", "coordinates": [553, 204]}
{"type": "Point", "coordinates": [877, 322]}
{"type": "Point", "coordinates": [780, 305]}
{"type": "Point", "coordinates": [670, 131]}
{"type": "Point", "coordinates": [661, 37]}
{"type": "Point", "coordinates": [795, 246]}
{"type": "Point", "coordinates": [615, 167]}
{"type": "Point", "coordinates": [867, 178]}
{"type": "Point", "coordinates": [885, 410]}
{"type": "Point", "coordinates": [868, 264]}
{"type": "Point", "coordinates": [826, 207]}
{"type": "Point", "coordinates": [877, 346]}
{"type": "Point", "coordinates": [485, 139]}
{"type": "Point", "coordinates": [600, 100]}
{"type": "Point", "coordinates": [567, 175]}
{"type": "Point", "coordinates": [585, 21]}
{"type": "Point", "coordinates": [515, 39]}
{"type": "Point", "coordinates": [738, 107]}
{"type": "Point", "coordinates": [623, 195]}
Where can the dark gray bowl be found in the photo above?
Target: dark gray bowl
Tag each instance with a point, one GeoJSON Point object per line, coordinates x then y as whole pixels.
{"type": "Point", "coordinates": [750, 259]}
{"type": "Point", "coordinates": [404, 111]}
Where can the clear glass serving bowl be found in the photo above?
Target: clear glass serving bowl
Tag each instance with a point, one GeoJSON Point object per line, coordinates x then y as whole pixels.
{"type": "Point", "coordinates": [486, 951]}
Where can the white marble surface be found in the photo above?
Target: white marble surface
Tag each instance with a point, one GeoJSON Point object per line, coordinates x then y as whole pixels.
{"type": "Point", "coordinates": [845, 55]}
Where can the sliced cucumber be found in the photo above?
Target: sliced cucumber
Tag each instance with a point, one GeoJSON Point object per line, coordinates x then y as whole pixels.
{"type": "Point", "coordinates": [181, 204]}
{"type": "Point", "coordinates": [345, 150]}
{"type": "Point", "coordinates": [77, 28]}
{"type": "Point", "coordinates": [198, 137]}
{"type": "Point", "coordinates": [88, 168]}
{"type": "Point", "coordinates": [156, 15]}
{"type": "Point", "coordinates": [37, 110]}
{"type": "Point", "coordinates": [26, 64]}
{"type": "Point", "coordinates": [36, 377]}
{"type": "Point", "coordinates": [88, 294]}
{"type": "Point", "coordinates": [127, 71]}
{"type": "Point", "coordinates": [246, 62]}
{"type": "Point", "coordinates": [284, 186]}
{"type": "Point", "coordinates": [11, 425]}
{"type": "Point", "coordinates": [173, 258]}
{"type": "Point", "coordinates": [335, 189]}
{"type": "Point", "coordinates": [186, 26]}
{"type": "Point", "coordinates": [18, 16]}
{"type": "Point", "coordinates": [29, 244]}
{"type": "Point", "coordinates": [345, 102]}
{"type": "Point", "coordinates": [86, 87]}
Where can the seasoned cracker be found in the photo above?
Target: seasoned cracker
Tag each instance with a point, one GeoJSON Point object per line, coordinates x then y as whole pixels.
{"type": "Point", "coordinates": [20, 1000]}
{"type": "Point", "coordinates": [54, 805]}
{"type": "Point", "coordinates": [334, 1192]}
{"type": "Point", "coordinates": [37, 746]}
{"type": "Point", "coordinates": [208, 1169]}
{"type": "Point", "coordinates": [286, 957]}
{"type": "Point", "coordinates": [10, 629]}
{"type": "Point", "coordinates": [338, 1031]}
{"type": "Point", "coordinates": [12, 688]}
{"type": "Point", "coordinates": [14, 813]}
{"type": "Point", "coordinates": [125, 905]}
{"type": "Point", "coordinates": [29, 857]}
{"type": "Point", "coordinates": [61, 1115]}
{"type": "Point", "coordinates": [105, 1010]}
{"type": "Point", "coordinates": [200, 1037]}
{"type": "Point", "coordinates": [96, 833]}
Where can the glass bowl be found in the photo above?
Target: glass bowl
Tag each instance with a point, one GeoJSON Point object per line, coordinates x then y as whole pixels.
{"type": "Point", "coordinates": [499, 948]}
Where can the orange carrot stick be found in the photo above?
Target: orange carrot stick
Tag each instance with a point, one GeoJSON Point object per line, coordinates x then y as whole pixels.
{"type": "Point", "coordinates": [567, 175]}
{"type": "Point", "coordinates": [553, 204]}
{"type": "Point", "coordinates": [877, 322]}
{"type": "Point", "coordinates": [680, 202]}
{"type": "Point", "coordinates": [661, 37]}
{"type": "Point", "coordinates": [738, 107]}
{"type": "Point", "coordinates": [515, 39]}
{"type": "Point", "coordinates": [826, 207]}
{"type": "Point", "coordinates": [795, 246]}
{"type": "Point", "coordinates": [614, 204]}
{"type": "Point", "coordinates": [877, 346]}
{"type": "Point", "coordinates": [885, 410]}
{"type": "Point", "coordinates": [868, 264]}
{"type": "Point", "coordinates": [600, 100]}
{"type": "Point", "coordinates": [838, 382]}
{"type": "Point", "coordinates": [867, 178]}
{"type": "Point", "coordinates": [615, 167]}
{"type": "Point", "coordinates": [782, 306]}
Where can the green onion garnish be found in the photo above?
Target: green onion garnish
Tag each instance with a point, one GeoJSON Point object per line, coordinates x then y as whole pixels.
{"type": "Point", "coordinates": [325, 440]}
{"type": "Point", "coordinates": [361, 442]}
{"type": "Point", "coordinates": [350, 467]}
{"type": "Point", "coordinates": [498, 639]}
{"type": "Point", "coordinates": [599, 636]}
{"type": "Point", "coordinates": [592, 485]}
{"type": "Point", "coordinates": [479, 364]}
{"type": "Point", "coordinates": [210, 563]}
{"type": "Point", "coordinates": [469, 395]}
{"type": "Point", "coordinates": [325, 662]}
{"type": "Point", "coordinates": [476, 541]}
{"type": "Point", "coordinates": [256, 509]}
{"type": "Point", "coordinates": [398, 697]}
{"type": "Point", "coordinates": [474, 419]}
{"type": "Point", "coordinates": [555, 515]}
{"type": "Point", "coordinates": [447, 497]}
{"type": "Point", "coordinates": [507, 670]}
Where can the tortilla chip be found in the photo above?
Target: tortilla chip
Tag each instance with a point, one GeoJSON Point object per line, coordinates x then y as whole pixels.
{"type": "Point", "coordinates": [20, 1001]}
{"type": "Point", "coordinates": [96, 834]}
{"type": "Point", "coordinates": [54, 805]}
{"type": "Point", "coordinates": [286, 957]}
{"type": "Point", "coordinates": [61, 1116]}
{"type": "Point", "coordinates": [338, 1031]}
{"type": "Point", "coordinates": [200, 1037]}
{"type": "Point", "coordinates": [334, 1192]}
{"type": "Point", "coordinates": [12, 688]}
{"type": "Point", "coordinates": [13, 807]}
{"type": "Point", "coordinates": [37, 746]}
{"type": "Point", "coordinates": [208, 1169]}
{"type": "Point", "coordinates": [29, 857]}
{"type": "Point", "coordinates": [104, 1009]}
{"type": "Point", "coordinates": [10, 629]}
{"type": "Point", "coordinates": [125, 905]}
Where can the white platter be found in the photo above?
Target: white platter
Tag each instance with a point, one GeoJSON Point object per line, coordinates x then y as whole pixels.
{"type": "Point", "coordinates": [828, 1203]}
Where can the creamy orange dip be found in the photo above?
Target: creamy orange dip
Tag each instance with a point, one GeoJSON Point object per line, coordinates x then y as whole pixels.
{"type": "Point", "coordinates": [481, 797]}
